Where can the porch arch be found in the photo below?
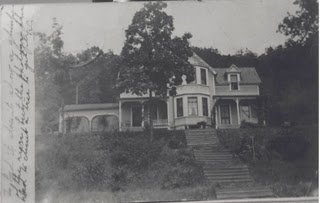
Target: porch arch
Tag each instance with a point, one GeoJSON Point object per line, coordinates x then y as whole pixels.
{"type": "Point", "coordinates": [76, 124]}
{"type": "Point", "coordinates": [105, 123]}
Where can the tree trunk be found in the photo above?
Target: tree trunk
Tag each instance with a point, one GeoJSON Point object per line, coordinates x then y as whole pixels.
{"type": "Point", "coordinates": [149, 115]}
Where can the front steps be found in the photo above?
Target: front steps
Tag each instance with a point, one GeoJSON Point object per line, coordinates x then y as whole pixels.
{"type": "Point", "coordinates": [247, 192]}
{"type": "Point", "coordinates": [222, 168]}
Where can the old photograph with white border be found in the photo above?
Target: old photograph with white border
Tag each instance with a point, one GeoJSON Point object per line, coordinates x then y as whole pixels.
{"type": "Point", "coordinates": [160, 101]}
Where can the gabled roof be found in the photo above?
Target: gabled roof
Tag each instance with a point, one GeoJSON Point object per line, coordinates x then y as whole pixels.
{"type": "Point", "coordinates": [197, 61]}
{"type": "Point", "coordinates": [248, 75]}
{"type": "Point", "coordinates": [233, 69]}
{"type": "Point", "coordinates": [99, 106]}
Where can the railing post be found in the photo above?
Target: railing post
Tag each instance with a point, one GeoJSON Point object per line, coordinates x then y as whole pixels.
{"type": "Point", "coordinates": [120, 115]}
{"type": "Point", "coordinates": [142, 114]}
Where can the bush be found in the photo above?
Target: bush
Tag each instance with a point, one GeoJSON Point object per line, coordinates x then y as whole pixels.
{"type": "Point", "coordinates": [289, 147]}
{"type": "Point", "coordinates": [286, 158]}
{"type": "Point", "coordinates": [287, 144]}
{"type": "Point", "coordinates": [245, 124]}
{"type": "Point", "coordinates": [114, 161]}
{"type": "Point", "coordinates": [183, 171]}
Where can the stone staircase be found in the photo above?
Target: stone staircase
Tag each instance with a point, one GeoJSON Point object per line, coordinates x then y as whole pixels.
{"type": "Point", "coordinates": [222, 168]}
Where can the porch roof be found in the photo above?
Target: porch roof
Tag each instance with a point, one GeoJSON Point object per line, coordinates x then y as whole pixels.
{"type": "Point", "coordinates": [81, 107]}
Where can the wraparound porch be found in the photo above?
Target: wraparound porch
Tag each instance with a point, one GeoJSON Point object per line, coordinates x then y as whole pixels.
{"type": "Point", "coordinates": [134, 114]}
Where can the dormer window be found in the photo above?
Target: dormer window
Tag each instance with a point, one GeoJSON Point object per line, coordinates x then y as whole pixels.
{"type": "Point", "coordinates": [203, 74]}
{"type": "Point", "coordinates": [234, 82]}
{"type": "Point", "coordinates": [233, 75]}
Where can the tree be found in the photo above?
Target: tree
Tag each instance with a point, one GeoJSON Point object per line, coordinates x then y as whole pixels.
{"type": "Point", "coordinates": [154, 61]}
{"type": "Point", "coordinates": [51, 76]}
{"type": "Point", "coordinates": [96, 80]}
{"type": "Point", "coordinates": [304, 24]}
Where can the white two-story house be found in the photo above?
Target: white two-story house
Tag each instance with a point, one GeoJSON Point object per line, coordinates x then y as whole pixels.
{"type": "Point", "coordinates": [218, 97]}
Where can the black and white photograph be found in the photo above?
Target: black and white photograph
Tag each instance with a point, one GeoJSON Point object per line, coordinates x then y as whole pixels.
{"type": "Point", "coordinates": [173, 101]}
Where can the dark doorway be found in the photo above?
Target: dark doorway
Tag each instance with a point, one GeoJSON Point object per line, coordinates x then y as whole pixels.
{"type": "Point", "coordinates": [136, 116]}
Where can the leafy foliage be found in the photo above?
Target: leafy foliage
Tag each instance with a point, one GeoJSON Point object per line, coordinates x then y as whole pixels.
{"type": "Point", "coordinates": [304, 24]}
{"type": "Point", "coordinates": [153, 58]}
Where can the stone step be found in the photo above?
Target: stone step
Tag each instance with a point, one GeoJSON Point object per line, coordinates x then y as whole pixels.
{"type": "Point", "coordinates": [246, 180]}
{"type": "Point", "coordinates": [213, 154]}
{"type": "Point", "coordinates": [201, 144]}
{"type": "Point", "coordinates": [209, 160]}
{"type": "Point", "coordinates": [200, 130]}
{"type": "Point", "coordinates": [219, 163]}
{"type": "Point", "coordinates": [233, 189]}
{"type": "Point", "coordinates": [202, 139]}
{"type": "Point", "coordinates": [229, 177]}
{"type": "Point", "coordinates": [229, 168]}
{"type": "Point", "coordinates": [244, 193]}
{"type": "Point", "coordinates": [207, 172]}
{"type": "Point", "coordinates": [201, 135]}
{"type": "Point", "coordinates": [229, 157]}
{"type": "Point", "coordinates": [213, 149]}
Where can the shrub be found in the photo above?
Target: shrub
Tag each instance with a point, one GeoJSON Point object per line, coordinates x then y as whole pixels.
{"type": "Point", "coordinates": [289, 147]}
{"type": "Point", "coordinates": [245, 124]}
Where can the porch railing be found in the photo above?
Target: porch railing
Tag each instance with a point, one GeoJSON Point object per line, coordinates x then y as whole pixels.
{"type": "Point", "coordinates": [160, 122]}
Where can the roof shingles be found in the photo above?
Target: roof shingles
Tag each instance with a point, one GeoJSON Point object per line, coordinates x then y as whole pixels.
{"type": "Point", "coordinates": [248, 75]}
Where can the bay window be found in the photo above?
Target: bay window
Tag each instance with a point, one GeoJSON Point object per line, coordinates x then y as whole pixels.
{"type": "Point", "coordinates": [193, 106]}
{"type": "Point", "coordinates": [205, 106]}
{"type": "Point", "coordinates": [179, 107]}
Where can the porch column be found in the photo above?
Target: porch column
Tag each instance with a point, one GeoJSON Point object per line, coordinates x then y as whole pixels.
{"type": "Point", "coordinates": [238, 111]}
{"type": "Point", "coordinates": [216, 116]}
{"type": "Point", "coordinates": [142, 114]}
{"type": "Point", "coordinates": [60, 121]}
{"type": "Point", "coordinates": [120, 115]}
{"type": "Point", "coordinates": [168, 113]}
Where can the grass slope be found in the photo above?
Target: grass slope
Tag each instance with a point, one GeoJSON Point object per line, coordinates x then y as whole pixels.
{"type": "Point", "coordinates": [117, 167]}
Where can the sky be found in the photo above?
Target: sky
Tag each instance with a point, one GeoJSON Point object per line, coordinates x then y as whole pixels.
{"type": "Point", "coordinates": [227, 25]}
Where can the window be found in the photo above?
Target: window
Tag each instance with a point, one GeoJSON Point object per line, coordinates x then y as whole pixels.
{"type": "Point", "coordinates": [193, 105]}
{"type": "Point", "coordinates": [194, 76]}
{"type": "Point", "coordinates": [205, 106]}
{"type": "Point", "coordinates": [234, 86]}
{"type": "Point", "coordinates": [203, 76]}
{"type": "Point", "coordinates": [179, 107]}
{"type": "Point", "coordinates": [234, 82]}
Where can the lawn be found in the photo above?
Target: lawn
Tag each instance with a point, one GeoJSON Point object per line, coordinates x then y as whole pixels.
{"type": "Point", "coordinates": [118, 167]}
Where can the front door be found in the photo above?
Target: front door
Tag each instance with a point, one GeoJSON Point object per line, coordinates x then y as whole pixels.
{"type": "Point", "coordinates": [136, 116]}
{"type": "Point", "coordinates": [225, 114]}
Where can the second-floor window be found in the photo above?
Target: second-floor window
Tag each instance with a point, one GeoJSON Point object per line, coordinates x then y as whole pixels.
{"type": "Point", "coordinates": [234, 82]}
{"type": "Point", "coordinates": [203, 74]}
